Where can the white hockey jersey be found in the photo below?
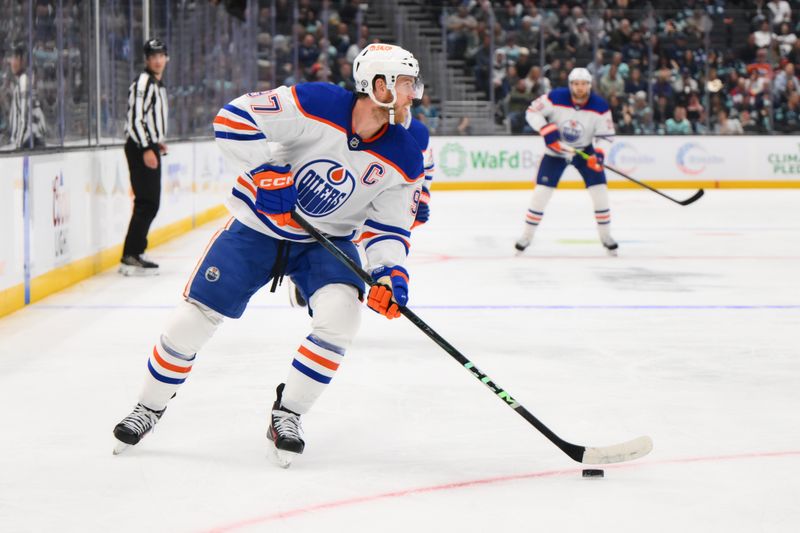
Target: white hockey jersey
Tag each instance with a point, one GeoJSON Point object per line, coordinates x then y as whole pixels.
{"type": "Point", "coordinates": [344, 182]}
{"type": "Point", "coordinates": [578, 126]}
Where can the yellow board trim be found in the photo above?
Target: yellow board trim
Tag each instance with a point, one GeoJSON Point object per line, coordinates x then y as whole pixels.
{"type": "Point", "coordinates": [60, 278]}
{"type": "Point", "coordinates": [615, 184]}
{"type": "Point", "coordinates": [12, 299]}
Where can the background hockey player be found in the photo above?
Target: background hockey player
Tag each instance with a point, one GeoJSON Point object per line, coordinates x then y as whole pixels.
{"type": "Point", "coordinates": [569, 119]}
{"type": "Point", "coordinates": [339, 158]}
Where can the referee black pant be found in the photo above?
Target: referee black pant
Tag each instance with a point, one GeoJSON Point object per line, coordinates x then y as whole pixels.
{"type": "Point", "coordinates": [146, 185]}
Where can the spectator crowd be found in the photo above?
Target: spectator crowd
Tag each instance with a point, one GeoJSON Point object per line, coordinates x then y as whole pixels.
{"type": "Point", "coordinates": [668, 67]}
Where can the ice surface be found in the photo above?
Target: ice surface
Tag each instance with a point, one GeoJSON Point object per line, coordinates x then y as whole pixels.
{"type": "Point", "coordinates": [690, 336]}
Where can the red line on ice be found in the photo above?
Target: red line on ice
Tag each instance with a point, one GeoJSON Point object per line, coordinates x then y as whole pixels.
{"type": "Point", "coordinates": [486, 481]}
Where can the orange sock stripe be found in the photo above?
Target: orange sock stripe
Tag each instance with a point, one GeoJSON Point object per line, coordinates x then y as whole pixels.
{"type": "Point", "coordinates": [169, 366]}
{"type": "Point", "coordinates": [327, 363]}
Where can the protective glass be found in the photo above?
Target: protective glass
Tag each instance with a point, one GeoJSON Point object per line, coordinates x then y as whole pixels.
{"type": "Point", "coordinates": [411, 85]}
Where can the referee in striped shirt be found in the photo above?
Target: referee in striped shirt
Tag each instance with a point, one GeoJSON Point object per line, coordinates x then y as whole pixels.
{"type": "Point", "coordinates": [146, 131]}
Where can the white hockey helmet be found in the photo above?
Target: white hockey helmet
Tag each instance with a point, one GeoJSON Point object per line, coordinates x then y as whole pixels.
{"type": "Point", "coordinates": [389, 61]}
{"type": "Point", "coordinates": [579, 74]}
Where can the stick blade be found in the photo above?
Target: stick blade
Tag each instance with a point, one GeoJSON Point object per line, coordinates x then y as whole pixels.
{"type": "Point", "coordinates": [618, 453]}
{"type": "Point", "coordinates": [696, 196]}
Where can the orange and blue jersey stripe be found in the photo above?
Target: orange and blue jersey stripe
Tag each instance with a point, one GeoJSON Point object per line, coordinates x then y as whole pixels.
{"type": "Point", "coordinates": [232, 127]}
{"type": "Point", "coordinates": [375, 232]}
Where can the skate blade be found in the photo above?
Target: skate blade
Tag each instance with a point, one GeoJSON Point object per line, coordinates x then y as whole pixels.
{"type": "Point", "coordinates": [120, 447]}
{"type": "Point", "coordinates": [132, 271]}
{"type": "Point", "coordinates": [281, 458]}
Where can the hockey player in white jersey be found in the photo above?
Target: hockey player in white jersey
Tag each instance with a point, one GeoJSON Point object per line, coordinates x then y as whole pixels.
{"type": "Point", "coordinates": [569, 119]}
{"type": "Point", "coordinates": [419, 131]}
{"type": "Point", "coordinates": [337, 157]}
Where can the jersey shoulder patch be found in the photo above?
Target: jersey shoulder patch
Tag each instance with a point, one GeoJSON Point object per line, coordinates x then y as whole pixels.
{"type": "Point", "coordinates": [420, 133]}
{"type": "Point", "coordinates": [398, 148]}
{"type": "Point", "coordinates": [325, 102]}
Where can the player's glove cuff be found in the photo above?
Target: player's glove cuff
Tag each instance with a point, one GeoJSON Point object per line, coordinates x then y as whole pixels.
{"type": "Point", "coordinates": [551, 136]}
{"type": "Point", "coordinates": [595, 161]}
{"type": "Point", "coordinates": [423, 209]}
{"type": "Point", "coordinates": [389, 291]}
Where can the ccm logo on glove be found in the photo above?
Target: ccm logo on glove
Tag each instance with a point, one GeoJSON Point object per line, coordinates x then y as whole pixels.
{"type": "Point", "coordinates": [276, 195]}
{"type": "Point", "coordinates": [272, 178]}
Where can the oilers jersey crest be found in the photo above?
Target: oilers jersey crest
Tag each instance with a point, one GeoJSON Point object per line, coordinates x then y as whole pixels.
{"type": "Point", "coordinates": [323, 186]}
{"type": "Point", "coordinates": [578, 126]}
{"type": "Point", "coordinates": [344, 182]}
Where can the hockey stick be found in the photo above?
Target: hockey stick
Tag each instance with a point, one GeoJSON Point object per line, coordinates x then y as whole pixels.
{"type": "Point", "coordinates": [617, 453]}
{"type": "Point", "coordinates": [696, 196]}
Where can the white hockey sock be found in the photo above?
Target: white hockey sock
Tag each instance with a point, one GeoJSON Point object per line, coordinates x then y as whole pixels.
{"type": "Point", "coordinates": [189, 328]}
{"type": "Point", "coordinates": [313, 367]}
{"type": "Point", "coordinates": [602, 211]}
{"type": "Point", "coordinates": [337, 315]}
{"type": "Point", "coordinates": [541, 195]}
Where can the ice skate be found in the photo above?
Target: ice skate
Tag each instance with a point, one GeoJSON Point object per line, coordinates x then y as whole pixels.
{"type": "Point", "coordinates": [284, 433]}
{"type": "Point", "coordinates": [135, 426]}
{"type": "Point", "coordinates": [137, 265]}
{"type": "Point", "coordinates": [525, 239]}
{"type": "Point", "coordinates": [610, 246]}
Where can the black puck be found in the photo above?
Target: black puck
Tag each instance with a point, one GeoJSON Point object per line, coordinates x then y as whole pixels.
{"type": "Point", "coordinates": [589, 472]}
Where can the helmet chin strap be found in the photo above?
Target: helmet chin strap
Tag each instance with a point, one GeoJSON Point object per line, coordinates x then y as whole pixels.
{"type": "Point", "coordinates": [388, 105]}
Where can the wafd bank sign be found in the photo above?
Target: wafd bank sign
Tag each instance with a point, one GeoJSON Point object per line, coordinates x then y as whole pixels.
{"type": "Point", "coordinates": [651, 158]}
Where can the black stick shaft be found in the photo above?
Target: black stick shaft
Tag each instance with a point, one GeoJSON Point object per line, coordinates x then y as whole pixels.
{"type": "Point", "coordinates": [696, 196]}
{"type": "Point", "coordinates": [572, 450]}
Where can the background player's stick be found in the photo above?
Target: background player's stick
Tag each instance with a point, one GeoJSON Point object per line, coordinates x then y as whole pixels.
{"type": "Point", "coordinates": [617, 453]}
{"type": "Point", "coordinates": [696, 196]}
